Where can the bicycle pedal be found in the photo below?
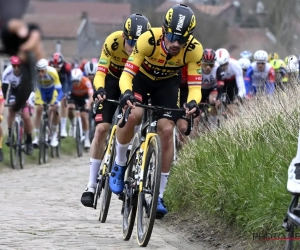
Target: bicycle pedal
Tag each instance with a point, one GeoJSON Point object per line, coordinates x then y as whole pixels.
{"type": "Point", "coordinates": [159, 216]}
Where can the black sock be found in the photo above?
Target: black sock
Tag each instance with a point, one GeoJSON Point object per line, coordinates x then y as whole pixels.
{"type": "Point", "coordinates": [9, 132]}
{"type": "Point", "coordinates": [29, 138]}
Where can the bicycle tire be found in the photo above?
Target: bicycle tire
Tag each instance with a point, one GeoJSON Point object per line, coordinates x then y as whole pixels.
{"type": "Point", "coordinates": [289, 243]}
{"type": "Point", "coordinates": [143, 236]}
{"type": "Point", "coordinates": [46, 142]}
{"type": "Point", "coordinates": [130, 207]}
{"type": "Point", "coordinates": [21, 144]}
{"type": "Point", "coordinates": [106, 192]}
{"type": "Point", "coordinates": [41, 144]}
{"type": "Point", "coordinates": [79, 145]}
{"type": "Point", "coordinates": [13, 151]}
{"type": "Point", "coordinates": [98, 191]}
{"type": "Point", "coordinates": [58, 148]}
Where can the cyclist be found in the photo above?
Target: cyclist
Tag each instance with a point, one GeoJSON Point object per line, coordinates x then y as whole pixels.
{"type": "Point", "coordinates": [247, 54]}
{"type": "Point", "coordinates": [245, 64]}
{"type": "Point", "coordinates": [2, 100]}
{"type": "Point", "coordinates": [63, 69]}
{"type": "Point", "coordinates": [281, 74]}
{"type": "Point", "coordinates": [81, 95]}
{"type": "Point", "coordinates": [115, 52]}
{"type": "Point", "coordinates": [233, 78]}
{"type": "Point", "coordinates": [49, 91]}
{"type": "Point", "coordinates": [10, 83]}
{"type": "Point", "coordinates": [273, 56]}
{"type": "Point", "coordinates": [153, 68]}
{"type": "Point", "coordinates": [260, 75]}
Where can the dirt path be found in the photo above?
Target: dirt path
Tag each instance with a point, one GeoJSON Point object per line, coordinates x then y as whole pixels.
{"type": "Point", "coordinates": [41, 209]}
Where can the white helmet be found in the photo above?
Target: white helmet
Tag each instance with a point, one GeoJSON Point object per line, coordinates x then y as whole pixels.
{"type": "Point", "coordinates": [244, 63]}
{"type": "Point", "coordinates": [76, 75]}
{"type": "Point", "coordinates": [292, 67]}
{"type": "Point", "coordinates": [260, 56]}
{"type": "Point", "coordinates": [222, 56]}
{"type": "Point", "coordinates": [90, 68]}
{"type": "Point", "coordinates": [42, 64]}
{"type": "Point", "coordinates": [292, 59]}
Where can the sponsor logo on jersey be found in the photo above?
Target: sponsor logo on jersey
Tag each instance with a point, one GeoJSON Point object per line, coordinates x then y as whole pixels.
{"type": "Point", "coordinates": [98, 118]}
{"type": "Point", "coordinates": [199, 71]}
{"type": "Point", "coordinates": [171, 62]}
{"type": "Point", "coordinates": [102, 61]}
{"type": "Point", "coordinates": [131, 58]}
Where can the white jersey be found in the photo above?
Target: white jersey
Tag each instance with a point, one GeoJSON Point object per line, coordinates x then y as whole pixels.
{"type": "Point", "coordinates": [234, 71]}
{"type": "Point", "coordinates": [8, 77]}
{"type": "Point", "coordinates": [259, 78]}
{"type": "Point", "coordinates": [209, 81]}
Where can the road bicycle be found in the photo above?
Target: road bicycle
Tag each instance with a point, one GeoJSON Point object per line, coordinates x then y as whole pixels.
{"type": "Point", "coordinates": [142, 177]}
{"type": "Point", "coordinates": [45, 135]}
{"type": "Point", "coordinates": [17, 140]}
{"type": "Point", "coordinates": [79, 136]}
{"type": "Point", "coordinates": [103, 191]}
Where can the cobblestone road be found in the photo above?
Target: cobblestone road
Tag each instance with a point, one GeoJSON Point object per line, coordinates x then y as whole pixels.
{"type": "Point", "coordinates": [40, 209]}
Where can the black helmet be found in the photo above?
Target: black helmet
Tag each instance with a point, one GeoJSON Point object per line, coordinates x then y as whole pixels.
{"type": "Point", "coordinates": [134, 26]}
{"type": "Point", "coordinates": [179, 20]}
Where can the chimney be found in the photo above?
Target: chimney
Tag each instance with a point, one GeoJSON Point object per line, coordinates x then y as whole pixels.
{"type": "Point", "coordinates": [84, 15]}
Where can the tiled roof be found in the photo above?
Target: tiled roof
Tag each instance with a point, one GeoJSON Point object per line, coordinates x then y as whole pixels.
{"type": "Point", "coordinates": [212, 10]}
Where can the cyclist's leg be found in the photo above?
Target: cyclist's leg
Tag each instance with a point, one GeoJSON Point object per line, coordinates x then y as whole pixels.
{"type": "Point", "coordinates": [1, 119]}
{"type": "Point", "coordinates": [182, 122]}
{"type": "Point", "coordinates": [38, 116]}
{"type": "Point", "coordinates": [230, 91]}
{"type": "Point", "coordinates": [54, 114]}
{"type": "Point", "coordinates": [84, 113]}
{"type": "Point", "coordinates": [28, 127]}
{"type": "Point", "coordinates": [212, 101]}
{"type": "Point", "coordinates": [71, 108]}
{"type": "Point", "coordinates": [11, 114]}
{"type": "Point", "coordinates": [125, 134]}
{"type": "Point", "coordinates": [165, 128]}
{"type": "Point", "coordinates": [103, 119]}
{"type": "Point", "coordinates": [64, 111]}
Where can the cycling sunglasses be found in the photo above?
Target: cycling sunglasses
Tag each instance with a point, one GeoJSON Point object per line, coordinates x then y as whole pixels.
{"type": "Point", "coordinates": [172, 38]}
{"type": "Point", "coordinates": [16, 66]}
{"type": "Point", "coordinates": [41, 70]}
{"type": "Point", "coordinates": [130, 42]}
{"type": "Point", "coordinates": [211, 65]}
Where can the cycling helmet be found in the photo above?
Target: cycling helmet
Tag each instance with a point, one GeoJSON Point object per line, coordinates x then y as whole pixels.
{"type": "Point", "coordinates": [277, 63]}
{"type": "Point", "coordinates": [134, 26]}
{"type": "Point", "coordinates": [57, 59]}
{"type": "Point", "coordinates": [209, 56]}
{"type": "Point", "coordinates": [179, 20]}
{"type": "Point", "coordinates": [272, 56]}
{"type": "Point", "coordinates": [90, 68]}
{"type": "Point", "coordinates": [244, 63]}
{"type": "Point", "coordinates": [41, 64]}
{"type": "Point", "coordinates": [260, 56]}
{"type": "Point", "coordinates": [292, 68]}
{"type": "Point", "coordinates": [14, 60]}
{"type": "Point", "coordinates": [246, 54]}
{"type": "Point", "coordinates": [291, 59]}
{"type": "Point", "coordinates": [82, 63]}
{"type": "Point", "coordinates": [76, 75]}
{"type": "Point", "coordinates": [222, 56]}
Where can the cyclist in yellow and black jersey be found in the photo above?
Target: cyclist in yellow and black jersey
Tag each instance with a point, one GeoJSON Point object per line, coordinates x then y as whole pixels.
{"type": "Point", "coordinates": [154, 67]}
{"type": "Point", "coordinates": [115, 52]}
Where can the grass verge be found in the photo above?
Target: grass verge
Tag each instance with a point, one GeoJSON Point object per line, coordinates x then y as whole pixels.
{"type": "Point", "coordinates": [238, 174]}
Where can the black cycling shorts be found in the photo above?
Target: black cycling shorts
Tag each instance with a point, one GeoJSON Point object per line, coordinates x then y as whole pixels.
{"type": "Point", "coordinates": [162, 93]}
{"type": "Point", "coordinates": [11, 96]}
{"type": "Point", "coordinates": [106, 110]}
{"type": "Point", "coordinates": [206, 92]}
{"type": "Point", "coordinates": [231, 89]}
{"type": "Point", "coordinates": [79, 101]}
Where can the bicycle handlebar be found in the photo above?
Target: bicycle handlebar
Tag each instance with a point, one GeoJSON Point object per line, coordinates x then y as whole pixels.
{"type": "Point", "coordinates": [155, 108]}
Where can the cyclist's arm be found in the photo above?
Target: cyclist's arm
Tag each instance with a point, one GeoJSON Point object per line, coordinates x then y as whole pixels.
{"type": "Point", "coordinates": [284, 74]}
{"type": "Point", "coordinates": [142, 49]}
{"type": "Point", "coordinates": [5, 80]}
{"type": "Point", "coordinates": [248, 79]}
{"type": "Point", "coordinates": [90, 90]}
{"type": "Point", "coordinates": [104, 62]}
{"type": "Point", "coordinates": [194, 74]}
{"type": "Point", "coordinates": [220, 82]}
{"type": "Point", "coordinates": [57, 85]}
{"type": "Point", "coordinates": [240, 80]}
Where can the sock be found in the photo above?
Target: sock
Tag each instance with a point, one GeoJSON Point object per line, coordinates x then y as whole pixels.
{"type": "Point", "coordinates": [63, 122]}
{"type": "Point", "coordinates": [36, 133]}
{"type": "Point", "coordinates": [94, 169]}
{"type": "Point", "coordinates": [28, 138]}
{"type": "Point", "coordinates": [54, 128]}
{"type": "Point", "coordinates": [87, 135]}
{"type": "Point", "coordinates": [121, 150]}
{"type": "Point", "coordinates": [9, 132]}
{"type": "Point", "coordinates": [163, 183]}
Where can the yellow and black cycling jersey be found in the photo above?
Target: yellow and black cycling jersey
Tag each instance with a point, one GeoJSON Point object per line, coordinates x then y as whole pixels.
{"type": "Point", "coordinates": [279, 67]}
{"type": "Point", "coordinates": [112, 59]}
{"type": "Point", "coordinates": [151, 57]}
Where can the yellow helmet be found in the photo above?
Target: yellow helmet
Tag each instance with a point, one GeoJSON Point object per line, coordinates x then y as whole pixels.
{"type": "Point", "coordinates": [277, 63]}
{"type": "Point", "coordinates": [273, 56]}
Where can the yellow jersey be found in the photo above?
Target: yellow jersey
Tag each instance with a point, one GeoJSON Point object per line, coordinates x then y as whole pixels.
{"type": "Point", "coordinates": [150, 56]}
{"type": "Point", "coordinates": [112, 59]}
{"type": "Point", "coordinates": [49, 80]}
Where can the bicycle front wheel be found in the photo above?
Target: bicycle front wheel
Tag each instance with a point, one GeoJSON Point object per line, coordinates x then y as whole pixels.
{"type": "Point", "coordinates": [14, 138]}
{"type": "Point", "coordinates": [148, 197]}
{"type": "Point", "coordinates": [21, 145]}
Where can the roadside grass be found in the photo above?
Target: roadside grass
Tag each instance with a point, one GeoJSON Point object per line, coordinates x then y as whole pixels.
{"type": "Point", "coordinates": [238, 173]}
{"type": "Point", "coordinates": [68, 147]}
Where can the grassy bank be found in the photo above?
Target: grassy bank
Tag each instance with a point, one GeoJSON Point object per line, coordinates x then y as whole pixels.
{"type": "Point", "coordinates": [238, 174]}
{"type": "Point", "coordinates": [68, 147]}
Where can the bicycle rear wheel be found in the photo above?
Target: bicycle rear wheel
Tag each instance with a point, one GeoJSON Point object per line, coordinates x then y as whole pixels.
{"type": "Point", "coordinates": [13, 151]}
{"type": "Point", "coordinates": [106, 192]}
{"type": "Point", "coordinates": [148, 197]}
{"type": "Point", "coordinates": [131, 190]}
{"type": "Point", "coordinates": [79, 145]}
